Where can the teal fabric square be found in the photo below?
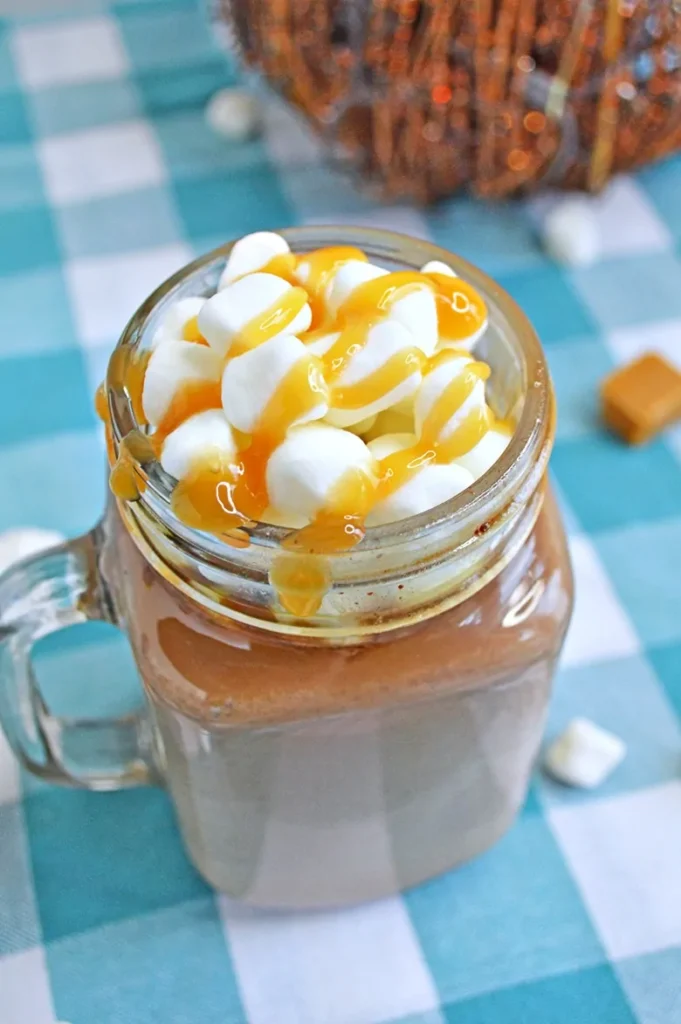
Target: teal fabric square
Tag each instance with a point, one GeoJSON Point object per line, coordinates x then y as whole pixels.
{"type": "Point", "coordinates": [251, 200]}
{"type": "Point", "coordinates": [532, 803]}
{"type": "Point", "coordinates": [110, 842]}
{"type": "Point", "coordinates": [14, 125]}
{"type": "Point", "coordinates": [88, 671]}
{"type": "Point", "coordinates": [661, 183]}
{"type": "Point", "coordinates": [96, 363]}
{"type": "Point", "coordinates": [652, 984]}
{"type": "Point", "coordinates": [577, 369]}
{"type": "Point", "coordinates": [553, 306]}
{"type": "Point", "coordinates": [73, 108]}
{"type": "Point", "coordinates": [510, 916]}
{"type": "Point", "coordinates": [63, 402]}
{"type": "Point", "coordinates": [666, 661]}
{"type": "Point", "coordinates": [8, 76]}
{"type": "Point", "coordinates": [167, 967]}
{"type": "Point", "coordinates": [21, 182]}
{"type": "Point", "coordinates": [55, 481]}
{"type": "Point", "coordinates": [623, 696]}
{"type": "Point", "coordinates": [497, 237]}
{"type": "Point", "coordinates": [638, 290]}
{"type": "Point", "coordinates": [27, 238]}
{"type": "Point", "coordinates": [580, 997]}
{"type": "Point", "coordinates": [119, 223]}
{"type": "Point", "coordinates": [429, 1017]}
{"type": "Point", "coordinates": [193, 150]}
{"type": "Point", "coordinates": [31, 14]}
{"type": "Point", "coordinates": [610, 484]}
{"type": "Point", "coordinates": [644, 563]}
{"type": "Point", "coordinates": [322, 194]}
{"type": "Point", "coordinates": [168, 36]}
{"type": "Point", "coordinates": [19, 927]}
{"type": "Point", "coordinates": [35, 315]}
{"type": "Point", "coordinates": [166, 90]}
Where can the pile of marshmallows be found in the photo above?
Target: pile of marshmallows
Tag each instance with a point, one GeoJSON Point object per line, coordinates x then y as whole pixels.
{"type": "Point", "coordinates": [325, 442]}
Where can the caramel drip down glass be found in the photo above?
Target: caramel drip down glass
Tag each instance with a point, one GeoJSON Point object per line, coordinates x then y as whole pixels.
{"type": "Point", "coordinates": [334, 757]}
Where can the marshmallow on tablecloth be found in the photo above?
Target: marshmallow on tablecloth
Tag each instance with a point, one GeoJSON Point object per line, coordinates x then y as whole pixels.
{"type": "Point", "coordinates": [584, 754]}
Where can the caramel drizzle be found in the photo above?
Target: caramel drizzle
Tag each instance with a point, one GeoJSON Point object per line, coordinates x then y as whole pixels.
{"type": "Point", "coordinates": [434, 446]}
{"type": "Point", "coordinates": [218, 497]}
{"type": "Point", "coordinates": [223, 496]}
{"type": "Point", "coordinates": [272, 321]}
{"type": "Point", "coordinates": [461, 310]}
{"type": "Point", "coordinates": [322, 264]}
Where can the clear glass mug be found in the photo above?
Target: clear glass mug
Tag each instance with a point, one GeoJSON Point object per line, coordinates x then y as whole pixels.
{"type": "Point", "coordinates": [337, 758]}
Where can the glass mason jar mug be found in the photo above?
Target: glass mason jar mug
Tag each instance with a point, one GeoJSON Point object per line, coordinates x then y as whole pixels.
{"type": "Point", "coordinates": [342, 756]}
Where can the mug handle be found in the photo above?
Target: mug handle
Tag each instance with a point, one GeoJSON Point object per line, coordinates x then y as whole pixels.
{"type": "Point", "coordinates": [40, 595]}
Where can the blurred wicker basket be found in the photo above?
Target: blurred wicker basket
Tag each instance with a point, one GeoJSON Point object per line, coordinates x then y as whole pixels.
{"type": "Point", "coordinates": [422, 97]}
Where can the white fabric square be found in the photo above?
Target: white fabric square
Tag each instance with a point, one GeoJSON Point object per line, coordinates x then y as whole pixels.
{"type": "Point", "coordinates": [342, 967]}
{"type": "Point", "coordinates": [100, 161]}
{"type": "Point", "coordinates": [10, 789]}
{"type": "Point", "coordinates": [25, 995]}
{"type": "Point", "coordinates": [624, 856]}
{"type": "Point", "coordinates": [106, 290]}
{"type": "Point", "coordinates": [600, 628]}
{"type": "Point", "coordinates": [289, 142]}
{"type": "Point", "coordinates": [69, 51]}
{"type": "Point", "coordinates": [628, 343]}
{"type": "Point", "coordinates": [627, 222]}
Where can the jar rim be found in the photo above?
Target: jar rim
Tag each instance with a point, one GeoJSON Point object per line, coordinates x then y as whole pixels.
{"type": "Point", "coordinates": [469, 505]}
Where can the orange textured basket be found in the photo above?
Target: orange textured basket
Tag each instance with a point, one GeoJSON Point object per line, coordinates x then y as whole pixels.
{"type": "Point", "coordinates": [422, 97]}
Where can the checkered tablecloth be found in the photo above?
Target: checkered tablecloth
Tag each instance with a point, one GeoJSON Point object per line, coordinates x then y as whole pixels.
{"type": "Point", "coordinates": [110, 180]}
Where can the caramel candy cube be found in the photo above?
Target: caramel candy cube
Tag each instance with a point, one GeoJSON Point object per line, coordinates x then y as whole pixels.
{"type": "Point", "coordinates": [642, 398]}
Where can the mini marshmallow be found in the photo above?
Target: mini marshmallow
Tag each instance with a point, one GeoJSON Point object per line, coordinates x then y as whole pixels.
{"type": "Point", "coordinates": [584, 755]}
{"type": "Point", "coordinates": [23, 541]}
{"type": "Point", "coordinates": [426, 489]}
{"type": "Point", "coordinates": [249, 381]}
{"type": "Point", "coordinates": [485, 453]}
{"type": "Point", "coordinates": [438, 267]}
{"type": "Point", "coordinates": [201, 436]}
{"type": "Point", "coordinates": [177, 316]}
{"type": "Point", "coordinates": [384, 340]}
{"type": "Point", "coordinates": [363, 426]}
{"type": "Point", "coordinates": [251, 253]}
{"type": "Point", "coordinates": [416, 309]}
{"type": "Point", "coordinates": [230, 310]}
{"type": "Point", "coordinates": [348, 277]}
{"type": "Point", "coordinates": [388, 444]}
{"type": "Point", "coordinates": [435, 383]}
{"type": "Point", "coordinates": [304, 469]}
{"type": "Point", "coordinates": [173, 364]}
{"type": "Point", "coordinates": [234, 114]}
{"type": "Point", "coordinates": [570, 232]}
{"type": "Point", "coordinates": [399, 419]}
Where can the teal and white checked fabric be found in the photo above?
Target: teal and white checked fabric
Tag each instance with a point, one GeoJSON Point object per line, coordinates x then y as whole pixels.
{"type": "Point", "coordinates": [109, 180]}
